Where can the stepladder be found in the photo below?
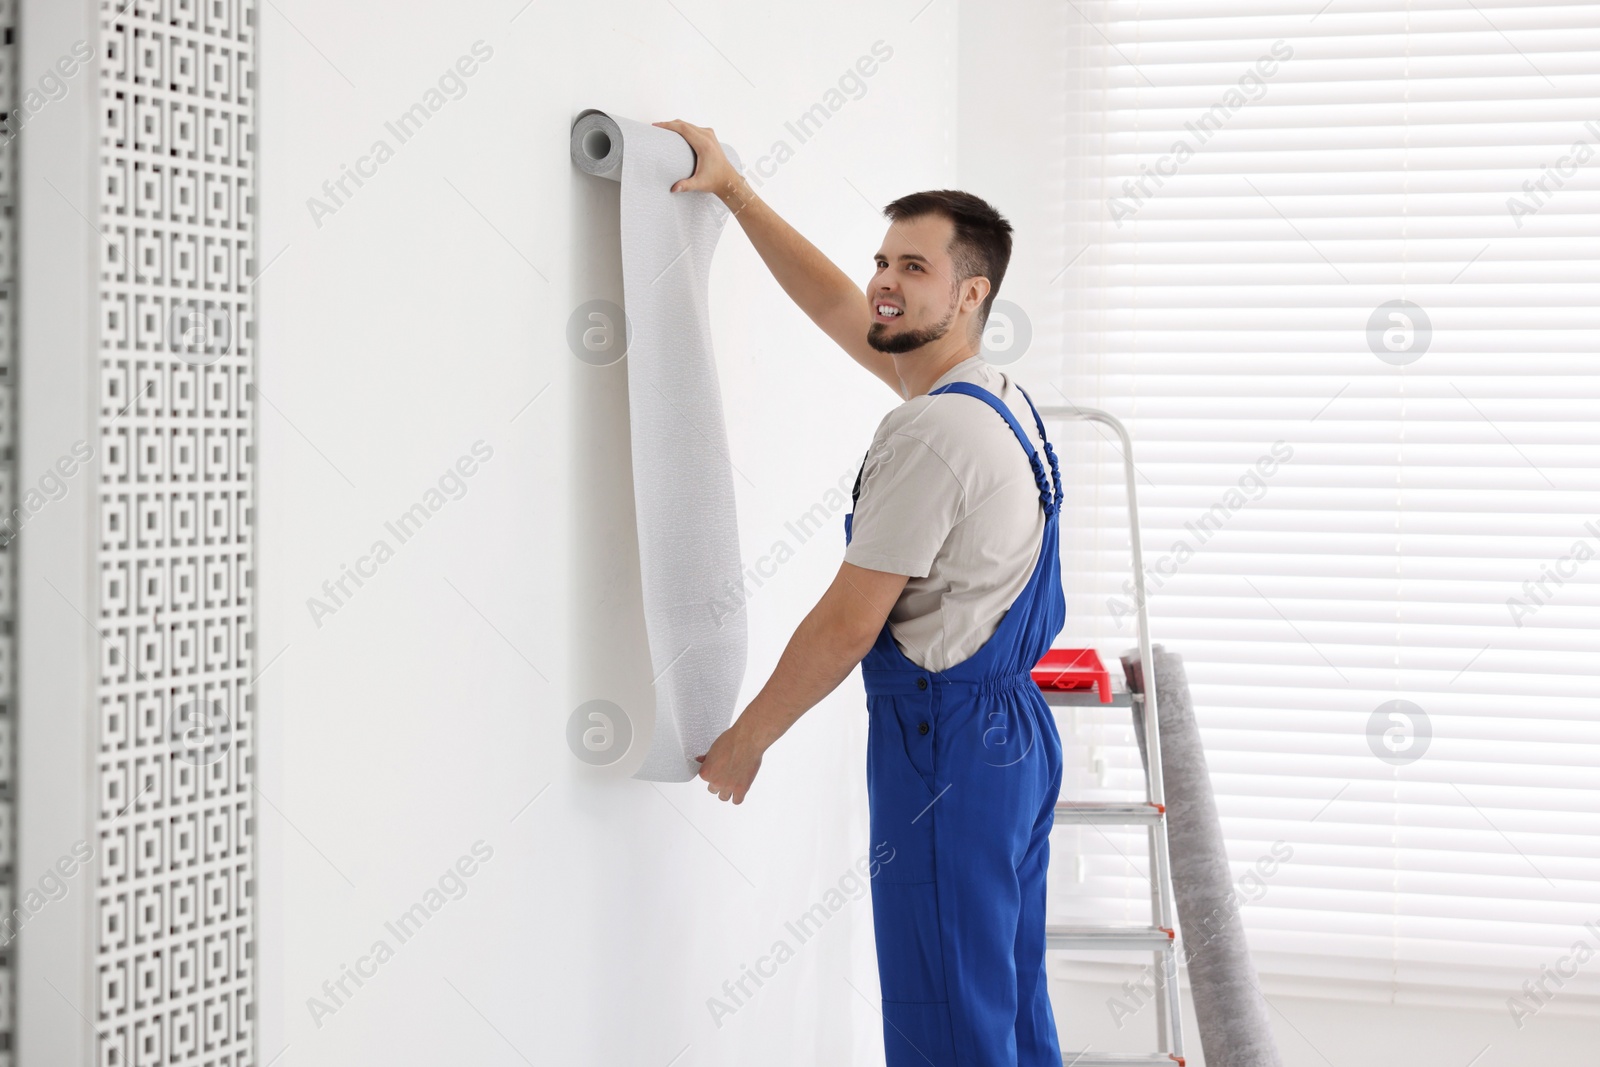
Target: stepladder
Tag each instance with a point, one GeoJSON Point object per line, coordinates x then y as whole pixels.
{"type": "Point", "coordinates": [1075, 678]}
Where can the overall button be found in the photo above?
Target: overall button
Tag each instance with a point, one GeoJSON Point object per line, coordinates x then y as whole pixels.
{"type": "Point", "coordinates": [922, 727]}
{"type": "Point", "coordinates": [922, 683]}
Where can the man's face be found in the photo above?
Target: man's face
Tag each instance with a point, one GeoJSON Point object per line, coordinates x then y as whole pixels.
{"type": "Point", "coordinates": [914, 275]}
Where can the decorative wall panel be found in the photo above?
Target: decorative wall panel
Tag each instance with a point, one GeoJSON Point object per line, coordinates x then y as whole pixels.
{"type": "Point", "coordinates": [175, 824]}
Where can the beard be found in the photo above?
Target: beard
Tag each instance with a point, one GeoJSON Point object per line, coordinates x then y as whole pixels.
{"type": "Point", "coordinates": [880, 337]}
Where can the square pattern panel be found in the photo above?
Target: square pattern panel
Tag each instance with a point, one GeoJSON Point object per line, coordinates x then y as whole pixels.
{"type": "Point", "coordinates": [175, 949]}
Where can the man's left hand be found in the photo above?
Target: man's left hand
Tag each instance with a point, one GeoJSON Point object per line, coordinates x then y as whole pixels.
{"type": "Point", "coordinates": [731, 764]}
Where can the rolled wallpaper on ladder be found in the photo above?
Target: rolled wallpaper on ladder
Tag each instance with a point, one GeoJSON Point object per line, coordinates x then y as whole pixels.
{"type": "Point", "coordinates": [689, 561]}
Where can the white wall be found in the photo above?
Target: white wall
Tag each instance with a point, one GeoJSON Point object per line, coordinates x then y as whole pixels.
{"type": "Point", "coordinates": [426, 713]}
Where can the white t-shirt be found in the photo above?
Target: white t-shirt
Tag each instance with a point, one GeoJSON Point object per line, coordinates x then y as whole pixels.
{"type": "Point", "coordinates": [947, 496]}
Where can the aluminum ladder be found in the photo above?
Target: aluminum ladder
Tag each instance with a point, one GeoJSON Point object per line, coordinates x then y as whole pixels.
{"type": "Point", "coordinates": [1160, 938]}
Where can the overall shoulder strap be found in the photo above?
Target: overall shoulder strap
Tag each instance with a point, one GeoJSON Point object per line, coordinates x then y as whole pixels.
{"type": "Point", "coordinates": [1051, 501]}
{"type": "Point", "coordinates": [1055, 468]}
{"type": "Point", "coordinates": [993, 401]}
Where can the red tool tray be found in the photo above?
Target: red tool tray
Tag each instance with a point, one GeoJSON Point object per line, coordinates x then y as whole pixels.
{"type": "Point", "coordinates": [1073, 668]}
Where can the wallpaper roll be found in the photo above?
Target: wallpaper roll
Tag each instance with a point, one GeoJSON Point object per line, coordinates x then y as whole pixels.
{"type": "Point", "coordinates": [689, 562]}
{"type": "Point", "coordinates": [1235, 1030]}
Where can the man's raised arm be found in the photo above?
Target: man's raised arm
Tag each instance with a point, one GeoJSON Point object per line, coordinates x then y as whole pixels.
{"type": "Point", "coordinates": [824, 292]}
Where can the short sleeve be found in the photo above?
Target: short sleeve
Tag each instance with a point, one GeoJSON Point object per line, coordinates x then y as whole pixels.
{"type": "Point", "coordinates": [910, 500]}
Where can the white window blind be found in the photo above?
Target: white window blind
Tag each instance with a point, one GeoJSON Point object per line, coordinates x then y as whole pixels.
{"type": "Point", "coordinates": [1250, 187]}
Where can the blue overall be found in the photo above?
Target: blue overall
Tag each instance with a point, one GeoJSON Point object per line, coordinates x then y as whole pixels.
{"type": "Point", "coordinates": [963, 770]}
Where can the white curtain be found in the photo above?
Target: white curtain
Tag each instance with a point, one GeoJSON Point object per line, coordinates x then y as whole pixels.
{"type": "Point", "coordinates": [1338, 267]}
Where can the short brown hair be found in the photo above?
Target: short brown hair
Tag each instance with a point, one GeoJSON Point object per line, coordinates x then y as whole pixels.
{"type": "Point", "coordinates": [981, 243]}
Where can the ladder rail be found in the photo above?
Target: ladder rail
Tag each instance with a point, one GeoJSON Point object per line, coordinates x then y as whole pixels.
{"type": "Point", "coordinates": [1169, 1025]}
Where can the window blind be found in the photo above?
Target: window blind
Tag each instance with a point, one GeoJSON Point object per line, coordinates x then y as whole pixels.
{"type": "Point", "coordinates": [1337, 266]}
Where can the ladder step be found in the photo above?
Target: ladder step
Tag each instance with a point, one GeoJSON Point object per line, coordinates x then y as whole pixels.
{"type": "Point", "coordinates": [1121, 814]}
{"type": "Point", "coordinates": [1086, 698]}
{"type": "Point", "coordinates": [1120, 1059]}
{"type": "Point", "coordinates": [1147, 938]}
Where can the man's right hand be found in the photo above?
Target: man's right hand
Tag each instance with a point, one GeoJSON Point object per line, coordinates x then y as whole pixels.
{"type": "Point", "coordinates": [712, 171]}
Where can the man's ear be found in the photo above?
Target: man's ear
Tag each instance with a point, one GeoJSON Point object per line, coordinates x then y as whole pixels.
{"type": "Point", "coordinates": [978, 285]}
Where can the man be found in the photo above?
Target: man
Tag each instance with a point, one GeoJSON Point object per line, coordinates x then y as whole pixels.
{"type": "Point", "coordinates": [949, 593]}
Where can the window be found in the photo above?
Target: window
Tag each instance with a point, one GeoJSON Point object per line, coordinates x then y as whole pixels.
{"type": "Point", "coordinates": [1340, 276]}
